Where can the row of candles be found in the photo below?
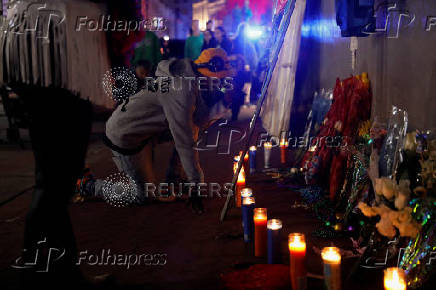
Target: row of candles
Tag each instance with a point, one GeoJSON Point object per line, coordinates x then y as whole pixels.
{"type": "Point", "coordinates": [266, 236]}
{"type": "Point", "coordinates": [267, 155]}
{"type": "Point", "coordinates": [267, 147]}
{"type": "Point", "coordinates": [250, 160]}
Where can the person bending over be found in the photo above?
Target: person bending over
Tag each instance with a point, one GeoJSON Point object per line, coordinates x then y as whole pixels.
{"type": "Point", "coordinates": [177, 106]}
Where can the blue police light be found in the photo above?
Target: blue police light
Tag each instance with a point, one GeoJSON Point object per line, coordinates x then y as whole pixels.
{"type": "Point", "coordinates": [254, 32]}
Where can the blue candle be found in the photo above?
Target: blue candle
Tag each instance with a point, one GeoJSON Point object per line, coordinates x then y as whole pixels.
{"type": "Point", "coordinates": [246, 192]}
{"type": "Point", "coordinates": [274, 227]}
{"type": "Point", "coordinates": [247, 218]}
{"type": "Point", "coordinates": [252, 156]}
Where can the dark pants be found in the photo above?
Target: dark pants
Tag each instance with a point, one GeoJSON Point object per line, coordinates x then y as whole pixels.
{"type": "Point", "coordinates": [175, 172]}
{"type": "Point", "coordinates": [60, 125]}
{"type": "Point", "coordinates": [237, 102]}
{"type": "Point", "coordinates": [238, 95]}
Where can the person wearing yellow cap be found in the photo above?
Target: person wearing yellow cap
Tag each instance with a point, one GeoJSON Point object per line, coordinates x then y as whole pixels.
{"type": "Point", "coordinates": [180, 108]}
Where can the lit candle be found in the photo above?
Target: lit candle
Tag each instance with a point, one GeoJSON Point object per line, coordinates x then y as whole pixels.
{"type": "Point", "coordinates": [395, 279]}
{"type": "Point", "coordinates": [240, 184]}
{"type": "Point", "coordinates": [246, 192]}
{"type": "Point", "coordinates": [297, 251]}
{"type": "Point", "coordinates": [260, 234]}
{"type": "Point", "coordinates": [274, 231]}
{"type": "Point", "coordinates": [283, 146]}
{"type": "Point", "coordinates": [312, 148]}
{"type": "Point", "coordinates": [252, 154]}
{"type": "Point", "coordinates": [235, 163]}
{"type": "Point", "coordinates": [247, 218]}
{"type": "Point", "coordinates": [267, 146]}
{"type": "Point", "coordinates": [332, 267]}
{"type": "Point", "coordinates": [245, 158]}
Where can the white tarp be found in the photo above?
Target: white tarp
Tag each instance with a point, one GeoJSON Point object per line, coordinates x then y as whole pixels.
{"type": "Point", "coordinates": [276, 110]}
{"type": "Point", "coordinates": [44, 48]}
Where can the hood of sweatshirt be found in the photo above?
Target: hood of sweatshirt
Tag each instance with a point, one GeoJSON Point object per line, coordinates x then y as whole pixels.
{"type": "Point", "coordinates": [175, 68]}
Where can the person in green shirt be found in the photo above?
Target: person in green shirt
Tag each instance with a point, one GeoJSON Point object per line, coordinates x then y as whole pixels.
{"type": "Point", "coordinates": [148, 50]}
{"type": "Point", "coordinates": [194, 42]}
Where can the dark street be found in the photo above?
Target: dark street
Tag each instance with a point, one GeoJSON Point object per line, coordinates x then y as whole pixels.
{"type": "Point", "coordinates": [199, 249]}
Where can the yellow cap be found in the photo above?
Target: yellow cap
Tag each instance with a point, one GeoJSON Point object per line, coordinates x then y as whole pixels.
{"type": "Point", "coordinates": [207, 55]}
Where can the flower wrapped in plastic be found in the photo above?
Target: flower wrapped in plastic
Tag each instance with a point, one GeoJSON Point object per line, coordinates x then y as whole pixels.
{"type": "Point", "coordinates": [416, 260]}
{"type": "Point", "coordinates": [393, 142]}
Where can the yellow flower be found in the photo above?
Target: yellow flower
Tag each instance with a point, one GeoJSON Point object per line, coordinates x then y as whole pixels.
{"type": "Point", "coordinates": [404, 215]}
{"type": "Point", "coordinates": [389, 188]}
{"type": "Point", "coordinates": [367, 210]}
{"type": "Point", "coordinates": [409, 229]}
{"type": "Point", "coordinates": [385, 226]}
{"type": "Point", "coordinates": [364, 128]}
{"type": "Point", "coordinates": [401, 200]}
{"type": "Point", "coordinates": [378, 186]}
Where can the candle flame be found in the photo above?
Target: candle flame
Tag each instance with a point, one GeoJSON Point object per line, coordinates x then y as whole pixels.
{"type": "Point", "coordinates": [241, 176]}
{"type": "Point", "coordinates": [246, 155]}
{"type": "Point", "coordinates": [274, 224]}
{"type": "Point", "coordinates": [248, 200]}
{"type": "Point", "coordinates": [394, 279]}
{"type": "Point", "coordinates": [331, 254]}
{"type": "Point", "coordinates": [246, 192]}
{"type": "Point", "coordinates": [297, 242]}
{"type": "Point", "coordinates": [235, 163]}
{"type": "Point", "coordinates": [267, 145]}
{"type": "Point", "coordinates": [253, 148]}
{"type": "Point", "coordinates": [260, 213]}
{"type": "Point", "coordinates": [284, 143]}
{"type": "Point", "coordinates": [235, 168]}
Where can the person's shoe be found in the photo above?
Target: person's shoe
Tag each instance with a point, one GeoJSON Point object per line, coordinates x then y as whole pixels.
{"type": "Point", "coordinates": [81, 192]}
{"type": "Point", "coordinates": [167, 199]}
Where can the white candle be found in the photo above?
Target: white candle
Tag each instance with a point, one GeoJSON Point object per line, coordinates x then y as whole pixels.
{"type": "Point", "coordinates": [332, 267]}
{"type": "Point", "coordinates": [267, 146]}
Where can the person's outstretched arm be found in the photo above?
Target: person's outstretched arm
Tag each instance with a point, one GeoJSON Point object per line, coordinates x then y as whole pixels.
{"type": "Point", "coordinates": [178, 107]}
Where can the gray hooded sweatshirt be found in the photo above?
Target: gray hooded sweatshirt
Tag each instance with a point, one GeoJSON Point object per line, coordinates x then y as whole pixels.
{"type": "Point", "coordinates": [151, 113]}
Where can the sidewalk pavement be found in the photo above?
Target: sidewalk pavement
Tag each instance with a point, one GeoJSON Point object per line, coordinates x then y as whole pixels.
{"type": "Point", "coordinates": [198, 248]}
